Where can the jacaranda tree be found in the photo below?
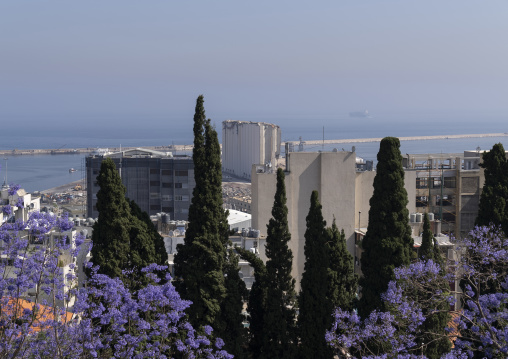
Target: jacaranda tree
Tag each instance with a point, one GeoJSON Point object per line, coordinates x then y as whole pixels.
{"type": "Point", "coordinates": [44, 314]}
{"type": "Point", "coordinates": [479, 328]}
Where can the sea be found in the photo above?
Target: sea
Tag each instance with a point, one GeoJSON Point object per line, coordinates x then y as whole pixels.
{"type": "Point", "coordinates": [41, 172]}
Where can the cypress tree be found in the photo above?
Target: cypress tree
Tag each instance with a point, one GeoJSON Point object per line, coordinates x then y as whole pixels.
{"type": "Point", "coordinates": [146, 246]}
{"type": "Point", "coordinates": [257, 302]}
{"type": "Point", "coordinates": [111, 232]}
{"type": "Point", "coordinates": [233, 333]}
{"type": "Point", "coordinates": [123, 237]}
{"type": "Point", "coordinates": [426, 250]}
{"type": "Point", "coordinates": [388, 243]}
{"type": "Point", "coordinates": [493, 200]}
{"type": "Point", "coordinates": [159, 255]}
{"type": "Point", "coordinates": [314, 305]}
{"type": "Point", "coordinates": [434, 336]}
{"type": "Point", "coordinates": [343, 282]}
{"type": "Point", "coordinates": [279, 316]}
{"type": "Point", "coordinates": [200, 260]}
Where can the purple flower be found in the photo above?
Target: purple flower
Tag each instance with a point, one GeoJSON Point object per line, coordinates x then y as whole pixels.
{"type": "Point", "coordinates": [13, 189]}
{"type": "Point", "coordinates": [106, 316]}
{"type": "Point", "coordinates": [7, 210]}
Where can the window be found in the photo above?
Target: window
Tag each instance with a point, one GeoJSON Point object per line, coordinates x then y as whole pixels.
{"type": "Point", "coordinates": [182, 198]}
{"type": "Point", "coordinates": [155, 183]}
{"type": "Point", "coordinates": [181, 173]}
{"type": "Point", "coordinates": [422, 201]}
{"type": "Point", "coordinates": [154, 195]}
{"type": "Point", "coordinates": [95, 172]}
{"type": "Point", "coordinates": [447, 200]}
{"type": "Point", "coordinates": [449, 217]}
{"type": "Point", "coordinates": [154, 207]}
{"type": "Point", "coordinates": [167, 185]}
{"type": "Point", "coordinates": [178, 185]}
{"type": "Point", "coordinates": [450, 182]}
{"type": "Point", "coordinates": [154, 171]}
{"type": "Point", "coordinates": [167, 197]}
{"type": "Point", "coordinates": [178, 198]}
{"type": "Point", "coordinates": [167, 172]}
{"type": "Point", "coordinates": [436, 182]}
{"type": "Point", "coordinates": [422, 182]}
{"type": "Point", "coordinates": [167, 209]}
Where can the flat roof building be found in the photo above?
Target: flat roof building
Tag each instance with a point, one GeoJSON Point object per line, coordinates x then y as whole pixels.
{"type": "Point", "coordinates": [157, 181]}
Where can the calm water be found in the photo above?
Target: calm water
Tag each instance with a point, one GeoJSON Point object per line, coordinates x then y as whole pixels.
{"type": "Point", "coordinates": [46, 171]}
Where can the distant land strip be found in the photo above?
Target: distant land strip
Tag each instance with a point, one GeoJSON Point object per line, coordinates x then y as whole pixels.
{"type": "Point", "coordinates": [411, 138]}
{"type": "Point", "coordinates": [176, 148]}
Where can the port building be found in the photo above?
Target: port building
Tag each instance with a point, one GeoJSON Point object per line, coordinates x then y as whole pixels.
{"type": "Point", "coordinates": [157, 181]}
{"type": "Point", "coordinates": [247, 143]}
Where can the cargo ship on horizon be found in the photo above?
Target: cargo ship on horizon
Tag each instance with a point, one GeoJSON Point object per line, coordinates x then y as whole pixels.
{"type": "Point", "coordinates": [360, 114]}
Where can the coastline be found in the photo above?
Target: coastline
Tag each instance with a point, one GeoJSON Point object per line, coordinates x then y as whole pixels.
{"type": "Point", "coordinates": [180, 148]}
{"type": "Point", "coordinates": [66, 188]}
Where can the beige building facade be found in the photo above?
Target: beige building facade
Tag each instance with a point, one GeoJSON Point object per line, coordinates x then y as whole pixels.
{"type": "Point", "coordinates": [344, 193]}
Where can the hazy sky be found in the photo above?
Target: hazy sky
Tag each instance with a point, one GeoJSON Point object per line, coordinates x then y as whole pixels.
{"type": "Point", "coordinates": [150, 59]}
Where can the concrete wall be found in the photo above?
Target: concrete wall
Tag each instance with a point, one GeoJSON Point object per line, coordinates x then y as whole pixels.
{"type": "Point", "coordinates": [343, 193]}
{"type": "Point", "coordinates": [332, 174]}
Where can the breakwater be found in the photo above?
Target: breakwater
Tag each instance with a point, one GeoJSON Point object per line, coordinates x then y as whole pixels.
{"type": "Point", "coordinates": [411, 138]}
{"type": "Point", "coordinates": [179, 148]}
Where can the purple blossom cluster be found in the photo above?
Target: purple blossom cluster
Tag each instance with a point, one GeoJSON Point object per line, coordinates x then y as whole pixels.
{"type": "Point", "coordinates": [44, 313]}
{"type": "Point", "coordinates": [7, 210]}
{"type": "Point", "coordinates": [13, 189]}
{"type": "Point", "coordinates": [480, 326]}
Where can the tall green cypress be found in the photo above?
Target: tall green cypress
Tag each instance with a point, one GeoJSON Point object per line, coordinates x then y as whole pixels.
{"type": "Point", "coordinates": [433, 337]}
{"type": "Point", "coordinates": [200, 260]}
{"type": "Point", "coordinates": [279, 316]}
{"type": "Point", "coordinates": [123, 237]}
{"type": "Point", "coordinates": [257, 302]}
{"type": "Point", "coordinates": [426, 250]}
{"type": "Point", "coordinates": [155, 239]}
{"type": "Point", "coordinates": [233, 332]}
{"type": "Point", "coordinates": [387, 243]}
{"type": "Point", "coordinates": [342, 279]}
{"type": "Point", "coordinates": [493, 200]}
{"type": "Point", "coordinates": [314, 305]}
{"type": "Point", "coordinates": [146, 245]}
{"type": "Point", "coordinates": [111, 232]}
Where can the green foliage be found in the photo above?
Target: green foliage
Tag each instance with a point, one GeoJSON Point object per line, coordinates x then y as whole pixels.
{"type": "Point", "coordinates": [159, 255]}
{"type": "Point", "coordinates": [200, 260]}
{"type": "Point", "coordinates": [343, 282]}
{"type": "Point", "coordinates": [279, 316]}
{"type": "Point", "coordinates": [314, 305]}
{"type": "Point", "coordinates": [146, 245]}
{"type": "Point", "coordinates": [426, 250]}
{"type": "Point", "coordinates": [233, 333]}
{"type": "Point", "coordinates": [123, 237]}
{"type": "Point", "coordinates": [206, 274]}
{"type": "Point", "coordinates": [257, 301]}
{"type": "Point", "coordinates": [493, 200]}
{"type": "Point", "coordinates": [388, 243]}
{"type": "Point", "coordinates": [111, 232]}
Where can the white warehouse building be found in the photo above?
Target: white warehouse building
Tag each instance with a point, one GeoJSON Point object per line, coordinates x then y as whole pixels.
{"type": "Point", "coordinates": [247, 143]}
